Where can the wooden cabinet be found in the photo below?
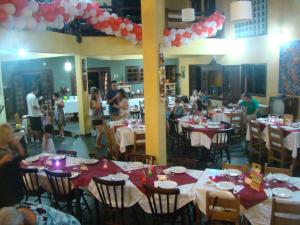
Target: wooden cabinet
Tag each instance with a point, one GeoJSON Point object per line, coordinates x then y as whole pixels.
{"type": "Point", "coordinates": [232, 85]}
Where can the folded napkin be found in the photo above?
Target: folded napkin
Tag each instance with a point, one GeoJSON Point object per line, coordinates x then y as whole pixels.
{"type": "Point", "coordinates": [269, 192]}
{"type": "Point", "coordinates": [238, 188]}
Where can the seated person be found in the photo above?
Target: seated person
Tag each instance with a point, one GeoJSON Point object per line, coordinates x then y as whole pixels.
{"type": "Point", "coordinates": [177, 111]}
{"type": "Point", "coordinates": [32, 214]}
{"type": "Point", "coordinates": [250, 105]}
{"type": "Point", "coordinates": [204, 99]}
{"type": "Point", "coordinates": [194, 97]}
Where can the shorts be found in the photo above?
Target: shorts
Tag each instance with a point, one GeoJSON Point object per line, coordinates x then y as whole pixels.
{"type": "Point", "coordinates": [97, 122]}
{"type": "Point", "coordinates": [35, 123]}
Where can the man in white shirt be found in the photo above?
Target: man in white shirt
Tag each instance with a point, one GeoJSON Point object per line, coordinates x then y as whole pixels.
{"type": "Point", "coordinates": [34, 113]}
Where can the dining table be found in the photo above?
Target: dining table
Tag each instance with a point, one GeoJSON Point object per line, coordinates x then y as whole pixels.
{"type": "Point", "coordinates": [203, 132]}
{"type": "Point", "coordinates": [291, 133]}
{"type": "Point", "coordinates": [219, 115]}
{"type": "Point", "coordinates": [255, 205]}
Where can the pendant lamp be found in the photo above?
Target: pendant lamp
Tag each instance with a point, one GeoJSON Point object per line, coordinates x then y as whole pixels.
{"type": "Point", "coordinates": [241, 11]}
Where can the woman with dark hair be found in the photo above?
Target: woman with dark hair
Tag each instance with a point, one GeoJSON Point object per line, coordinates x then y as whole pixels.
{"type": "Point", "coordinates": [97, 115]}
{"type": "Point", "coordinates": [59, 113]}
{"type": "Point", "coordinates": [123, 104]}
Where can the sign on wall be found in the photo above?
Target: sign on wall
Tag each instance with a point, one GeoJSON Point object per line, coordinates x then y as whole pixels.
{"type": "Point", "coordinates": [289, 68]}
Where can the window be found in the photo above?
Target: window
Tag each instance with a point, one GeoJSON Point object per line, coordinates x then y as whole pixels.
{"type": "Point", "coordinates": [171, 73]}
{"type": "Point", "coordinates": [134, 74]}
{"type": "Point", "coordinates": [258, 25]}
{"type": "Point", "coordinates": [254, 78]}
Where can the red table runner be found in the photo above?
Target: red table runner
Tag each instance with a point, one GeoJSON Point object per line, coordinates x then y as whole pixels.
{"type": "Point", "coordinates": [138, 178]}
{"type": "Point", "coordinates": [284, 131]}
{"type": "Point", "coordinates": [210, 132]}
{"type": "Point", "coordinates": [248, 196]}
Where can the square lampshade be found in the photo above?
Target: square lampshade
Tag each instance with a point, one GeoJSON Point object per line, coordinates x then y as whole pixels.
{"type": "Point", "coordinates": [188, 15]}
{"type": "Point", "coordinates": [241, 11]}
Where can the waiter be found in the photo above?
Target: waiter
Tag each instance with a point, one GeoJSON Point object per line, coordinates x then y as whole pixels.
{"type": "Point", "coordinates": [113, 101]}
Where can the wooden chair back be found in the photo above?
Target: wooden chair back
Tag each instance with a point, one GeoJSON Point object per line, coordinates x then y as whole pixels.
{"type": "Point", "coordinates": [112, 146]}
{"type": "Point", "coordinates": [60, 183]}
{"type": "Point", "coordinates": [235, 119]}
{"type": "Point", "coordinates": [189, 163]}
{"type": "Point", "coordinates": [162, 201]}
{"type": "Point", "coordinates": [139, 145]}
{"type": "Point", "coordinates": [186, 133]}
{"type": "Point", "coordinates": [30, 180]}
{"type": "Point", "coordinates": [70, 153]}
{"type": "Point", "coordinates": [111, 193]}
{"type": "Point", "coordinates": [222, 138]}
{"type": "Point", "coordinates": [242, 168]}
{"type": "Point", "coordinates": [146, 159]}
{"type": "Point", "coordinates": [288, 172]}
{"type": "Point", "coordinates": [285, 213]}
{"type": "Point", "coordinates": [223, 209]}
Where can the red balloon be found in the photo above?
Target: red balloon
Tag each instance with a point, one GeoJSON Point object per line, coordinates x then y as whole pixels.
{"type": "Point", "coordinates": [37, 16]}
{"type": "Point", "coordinates": [60, 10]}
{"type": "Point", "coordinates": [176, 43]}
{"type": "Point", "coordinates": [3, 15]}
{"type": "Point", "coordinates": [66, 17]}
{"type": "Point", "coordinates": [88, 6]}
{"type": "Point", "coordinates": [139, 37]}
{"type": "Point", "coordinates": [4, 1]}
{"type": "Point", "coordinates": [210, 31]}
{"type": "Point", "coordinates": [124, 32]}
{"type": "Point", "coordinates": [19, 4]}
{"type": "Point", "coordinates": [50, 17]}
{"type": "Point", "coordinates": [187, 34]}
{"type": "Point", "coordinates": [43, 8]}
{"type": "Point", "coordinates": [167, 32]}
{"type": "Point", "coordinates": [115, 27]}
{"type": "Point", "coordinates": [126, 21]}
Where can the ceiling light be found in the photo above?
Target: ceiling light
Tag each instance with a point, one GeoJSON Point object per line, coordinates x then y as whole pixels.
{"type": "Point", "coordinates": [22, 52]}
{"type": "Point", "coordinates": [68, 66]}
{"type": "Point", "coordinates": [188, 15]}
{"type": "Point", "coordinates": [241, 11]}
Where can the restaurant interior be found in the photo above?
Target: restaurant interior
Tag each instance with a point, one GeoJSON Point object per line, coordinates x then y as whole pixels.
{"type": "Point", "coordinates": [149, 112]}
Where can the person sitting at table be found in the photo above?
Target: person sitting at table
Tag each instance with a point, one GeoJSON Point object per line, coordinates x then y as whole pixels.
{"type": "Point", "coordinates": [48, 144]}
{"type": "Point", "coordinates": [59, 113]}
{"type": "Point", "coordinates": [250, 105]}
{"type": "Point", "coordinates": [123, 104]}
{"type": "Point", "coordinates": [29, 213]}
{"type": "Point", "coordinates": [11, 153]}
{"type": "Point", "coordinates": [194, 97]}
{"type": "Point", "coordinates": [203, 99]}
{"type": "Point", "coordinates": [113, 101]}
{"type": "Point", "coordinates": [97, 115]}
{"type": "Point", "coordinates": [177, 111]}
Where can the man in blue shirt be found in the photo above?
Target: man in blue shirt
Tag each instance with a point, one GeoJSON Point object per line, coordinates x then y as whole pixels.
{"type": "Point", "coordinates": [113, 101]}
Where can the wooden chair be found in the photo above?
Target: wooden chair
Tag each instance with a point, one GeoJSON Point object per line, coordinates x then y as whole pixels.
{"type": "Point", "coordinates": [256, 145]}
{"type": "Point", "coordinates": [69, 153]}
{"type": "Point", "coordinates": [111, 195]}
{"type": "Point", "coordinates": [222, 209]}
{"type": "Point", "coordinates": [189, 163]}
{"type": "Point", "coordinates": [175, 135]}
{"type": "Point", "coordinates": [112, 146]}
{"type": "Point", "coordinates": [242, 168]}
{"type": "Point", "coordinates": [288, 118]}
{"type": "Point", "coordinates": [186, 138]}
{"type": "Point", "coordinates": [161, 211]}
{"type": "Point", "coordinates": [277, 152]}
{"type": "Point", "coordinates": [135, 114]}
{"type": "Point", "coordinates": [31, 183]}
{"type": "Point", "coordinates": [285, 213]}
{"type": "Point", "coordinates": [139, 145]}
{"type": "Point", "coordinates": [220, 143]}
{"type": "Point", "coordinates": [146, 159]}
{"type": "Point", "coordinates": [237, 124]}
{"type": "Point", "coordinates": [115, 127]}
{"type": "Point", "coordinates": [288, 172]}
{"type": "Point", "coordinates": [64, 192]}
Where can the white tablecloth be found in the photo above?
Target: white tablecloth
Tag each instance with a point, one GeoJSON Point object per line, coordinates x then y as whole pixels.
{"type": "Point", "coordinates": [291, 141]}
{"type": "Point", "coordinates": [259, 214]}
{"type": "Point", "coordinates": [125, 136]}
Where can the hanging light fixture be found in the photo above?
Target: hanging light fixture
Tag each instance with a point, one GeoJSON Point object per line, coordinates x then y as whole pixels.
{"type": "Point", "coordinates": [188, 15]}
{"type": "Point", "coordinates": [241, 11]}
{"type": "Point", "coordinates": [68, 66]}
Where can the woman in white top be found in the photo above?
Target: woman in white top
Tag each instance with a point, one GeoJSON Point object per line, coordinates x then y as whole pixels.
{"type": "Point", "coordinates": [48, 144]}
{"type": "Point", "coordinates": [123, 104]}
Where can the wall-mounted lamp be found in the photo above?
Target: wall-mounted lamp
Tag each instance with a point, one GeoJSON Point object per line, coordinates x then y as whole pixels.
{"type": "Point", "coordinates": [68, 66]}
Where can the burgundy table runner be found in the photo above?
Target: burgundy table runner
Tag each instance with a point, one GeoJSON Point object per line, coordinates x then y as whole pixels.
{"type": "Point", "coordinates": [210, 132]}
{"type": "Point", "coordinates": [248, 196]}
{"type": "Point", "coordinates": [284, 131]}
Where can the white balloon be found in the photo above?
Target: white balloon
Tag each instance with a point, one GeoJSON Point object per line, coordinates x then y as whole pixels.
{"type": "Point", "coordinates": [100, 18]}
{"type": "Point", "coordinates": [73, 2]}
{"type": "Point", "coordinates": [31, 23]}
{"type": "Point", "coordinates": [20, 23]}
{"type": "Point", "coordinates": [10, 9]}
{"type": "Point", "coordinates": [168, 44]}
{"type": "Point", "coordinates": [213, 24]}
{"type": "Point", "coordinates": [132, 36]}
{"type": "Point", "coordinates": [129, 27]}
{"type": "Point", "coordinates": [60, 25]}
{"type": "Point", "coordinates": [194, 36]}
{"type": "Point", "coordinates": [60, 18]}
{"type": "Point", "coordinates": [72, 10]}
{"type": "Point", "coordinates": [9, 23]}
{"type": "Point", "coordinates": [34, 6]}
{"type": "Point", "coordinates": [94, 20]}
{"type": "Point", "coordinates": [26, 12]}
{"type": "Point", "coordinates": [41, 26]}
{"type": "Point", "coordinates": [118, 33]}
{"type": "Point", "coordinates": [180, 31]}
{"type": "Point", "coordinates": [122, 25]}
{"type": "Point", "coordinates": [173, 31]}
{"type": "Point", "coordinates": [134, 41]}
{"type": "Point", "coordinates": [106, 15]}
{"type": "Point", "coordinates": [108, 30]}
{"type": "Point", "coordinates": [207, 24]}
{"type": "Point", "coordinates": [172, 37]}
{"type": "Point", "coordinates": [83, 5]}
{"type": "Point", "coordinates": [93, 12]}
{"type": "Point", "coordinates": [115, 16]}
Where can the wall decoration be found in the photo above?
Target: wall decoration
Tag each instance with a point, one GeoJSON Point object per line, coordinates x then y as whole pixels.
{"type": "Point", "coordinates": [162, 75]}
{"type": "Point", "coordinates": [31, 15]}
{"type": "Point", "coordinates": [289, 70]}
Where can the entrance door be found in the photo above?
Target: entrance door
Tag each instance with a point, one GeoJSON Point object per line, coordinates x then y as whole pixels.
{"type": "Point", "coordinates": [99, 78]}
{"type": "Point", "coordinates": [195, 78]}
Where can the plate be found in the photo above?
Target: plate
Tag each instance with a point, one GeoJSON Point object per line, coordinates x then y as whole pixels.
{"type": "Point", "coordinates": [282, 192]}
{"type": "Point", "coordinates": [89, 161]}
{"type": "Point", "coordinates": [212, 126]}
{"type": "Point", "coordinates": [40, 168]}
{"type": "Point", "coordinates": [74, 174]}
{"type": "Point", "coordinates": [177, 169]}
{"type": "Point", "coordinates": [116, 177]}
{"type": "Point", "coordinates": [281, 177]}
{"type": "Point", "coordinates": [234, 172]}
{"type": "Point", "coordinates": [168, 184]}
{"type": "Point", "coordinates": [136, 165]}
{"type": "Point", "coordinates": [32, 159]}
{"type": "Point", "coordinates": [225, 185]}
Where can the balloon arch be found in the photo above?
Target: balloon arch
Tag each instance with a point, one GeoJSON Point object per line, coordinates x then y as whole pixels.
{"type": "Point", "coordinates": [31, 15]}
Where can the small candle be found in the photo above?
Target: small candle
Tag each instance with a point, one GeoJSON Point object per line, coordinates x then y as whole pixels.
{"type": "Point", "coordinates": [105, 166]}
{"type": "Point", "coordinates": [57, 163]}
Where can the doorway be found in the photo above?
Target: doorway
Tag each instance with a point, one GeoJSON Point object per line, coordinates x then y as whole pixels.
{"type": "Point", "coordinates": [194, 78]}
{"type": "Point", "coordinates": [99, 78]}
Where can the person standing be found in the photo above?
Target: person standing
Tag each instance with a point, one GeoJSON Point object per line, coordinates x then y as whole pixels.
{"type": "Point", "coordinates": [123, 104]}
{"type": "Point", "coordinates": [250, 105]}
{"type": "Point", "coordinates": [97, 115]}
{"type": "Point", "coordinates": [113, 101]}
{"type": "Point", "coordinates": [59, 113]}
{"type": "Point", "coordinates": [34, 112]}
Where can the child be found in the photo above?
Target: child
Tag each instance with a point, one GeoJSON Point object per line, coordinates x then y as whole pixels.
{"type": "Point", "coordinates": [48, 144]}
